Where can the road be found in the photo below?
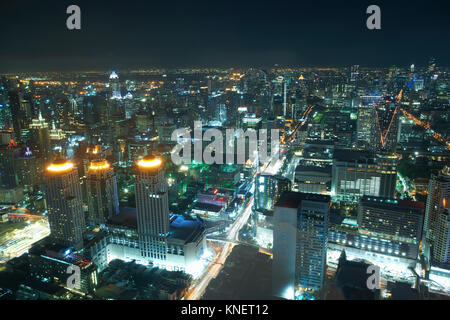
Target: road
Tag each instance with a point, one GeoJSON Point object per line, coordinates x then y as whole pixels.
{"type": "Point", "coordinates": [426, 126]}
{"type": "Point", "coordinates": [290, 170]}
{"type": "Point", "coordinates": [291, 137]}
{"type": "Point", "coordinates": [200, 285]}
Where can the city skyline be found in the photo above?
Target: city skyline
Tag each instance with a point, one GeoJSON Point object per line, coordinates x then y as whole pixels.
{"type": "Point", "coordinates": [205, 34]}
{"type": "Point", "coordinates": [224, 151]}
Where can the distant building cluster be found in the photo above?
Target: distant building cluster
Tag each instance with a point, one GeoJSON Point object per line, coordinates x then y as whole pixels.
{"type": "Point", "coordinates": [361, 178]}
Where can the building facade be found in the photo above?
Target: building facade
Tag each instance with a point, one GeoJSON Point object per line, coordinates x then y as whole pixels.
{"type": "Point", "coordinates": [101, 186]}
{"type": "Point", "coordinates": [64, 204]}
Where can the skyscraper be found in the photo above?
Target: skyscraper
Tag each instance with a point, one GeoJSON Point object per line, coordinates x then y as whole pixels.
{"type": "Point", "coordinates": [64, 204]}
{"type": "Point", "coordinates": [357, 173]}
{"type": "Point", "coordinates": [29, 174]}
{"type": "Point", "coordinates": [299, 243]}
{"type": "Point", "coordinates": [101, 185]}
{"type": "Point", "coordinates": [152, 206]}
{"type": "Point", "coordinates": [8, 165]}
{"type": "Point", "coordinates": [40, 139]}
{"type": "Point", "coordinates": [441, 247]}
{"type": "Point", "coordinates": [268, 190]}
{"type": "Point", "coordinates": [400, 220]}
{"type": "Point", "coordinates": [312, 241]}
{"type": "Point", "coordinates": [438, 199]}
{"type": "Point", "coordinates": [16, 114]}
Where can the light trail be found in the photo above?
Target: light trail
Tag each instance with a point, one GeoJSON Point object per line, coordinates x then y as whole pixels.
{"type": "Point", "coordinates": [298, 126]}
{"type": "Point", "coordinates": [217, 264]}
{"type": "Point", "coordinates": [426, 126]}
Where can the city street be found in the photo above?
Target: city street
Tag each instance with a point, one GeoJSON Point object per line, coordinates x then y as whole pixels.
{"type": "Point", "coordinates": [200, 285]}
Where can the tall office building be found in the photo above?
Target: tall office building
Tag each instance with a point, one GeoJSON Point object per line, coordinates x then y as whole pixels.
{"type": "Point", "coordinates": [152, 206]}
{"type": "Point", "coordinates": [17, 114]}
{"type": "Point", "coordinates": [268, 190]}
{"type": "Point", "coordinates": [438, 199]}
{"type": "Point", "coordinates": [8, 165]}
{"type": "Point", "coordinates": [29, 174]}
{"type": "Point", "coordinates": [357, 173]}
{"type": "Point", "coordinates": [114, 84]}
{"type": "Point", "coordinates": [101, 186]}
{"type": "Point", "coordinates": [5, 110]}
{"type": "Point", "coordinates": [39, 139]}
{"type": "Point", "coordinates": [64, 204]}
{"type": "Point", "coordinates": [400, 220]}
{"type": "Point", "coordinates": [299, 243]}
{"type": "Point", "coordinates": [441, 247]}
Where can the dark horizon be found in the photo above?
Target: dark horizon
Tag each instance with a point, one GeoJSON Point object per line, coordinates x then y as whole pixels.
{"type": "Point", "coordinates": [174, 34]}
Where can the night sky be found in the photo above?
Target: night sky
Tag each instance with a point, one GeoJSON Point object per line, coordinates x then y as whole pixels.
{"type": "Point", "coordinates": [144, 34]}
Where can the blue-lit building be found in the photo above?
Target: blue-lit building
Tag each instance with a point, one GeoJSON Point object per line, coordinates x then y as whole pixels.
{"type": "Point", "coordinates": [299, 243]}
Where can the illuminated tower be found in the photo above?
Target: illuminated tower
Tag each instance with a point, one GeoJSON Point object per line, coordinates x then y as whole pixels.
{"type": "Point", "coordinates": [441, 247]}
{"type": "Point", "coordinates": [101, 185]}
{"type": "Point", "coordinates": [268, 190]}
{"type": "Point", "coordinates": [115, 85]}
{"type": "Point", "coordinates": [64, 204]}
{"type": "Point", "coordinates": [152, 206]}
{"type": "Point", "coordinates": [438, 199]}
{"type": "Point", "coordinates": [40, 138]}
{"type": "Point", "coordinates": [300, 238]}
{"type": "Point", "coordinates": [8, 165]}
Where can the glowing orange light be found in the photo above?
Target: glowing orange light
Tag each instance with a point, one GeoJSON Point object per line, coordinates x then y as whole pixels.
{"type": "Point", "coordinates": [444, 202]}
{"type": "Point", "coordinates": [149, 163]}
{"type": "Point", "coordinates": [60, 167]}
{"type": "Point", "coordinates": [99, 165]}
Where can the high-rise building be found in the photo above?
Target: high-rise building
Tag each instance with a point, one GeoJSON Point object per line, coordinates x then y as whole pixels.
{"type": "Point", "coordinates": [390, 218]}
{"type": "Point", "coordinates": [8, 165]}
{"type": "Point", "coordinates": [64, 204]}
{"type": "Point", "coordinates": [5, 110]}
{"type": "Point", "coordinates": [268, 190]}
{"type": "Point", "coordinates": [441, 247]}
{"type": "Point", "coordinates": [299, 243]}
{"type": "Point", "coordinates": [114, 84]}
{"type": "Point", "coordinates": [29, 175]}
{"type": "Point", "coordinates": [39, 139]}
{"type": "Point", "coordinates": [152, 206]}
{"type": "Point", "coordinates": [357, 173]}
{"type": "Point", "coordinates": [17, 114]}
{"type": "Point", "coordinates": [101, 186]}
{"type": "Point", "coordinates": [438, 199]}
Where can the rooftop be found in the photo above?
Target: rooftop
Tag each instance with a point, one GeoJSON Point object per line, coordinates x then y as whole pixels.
{"type": "Point", "coordinates": [394, 203]}
{"type": "Point", "coordinates": [185, 229]}
{"type": "Point", "coordinates": [291, 199]}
